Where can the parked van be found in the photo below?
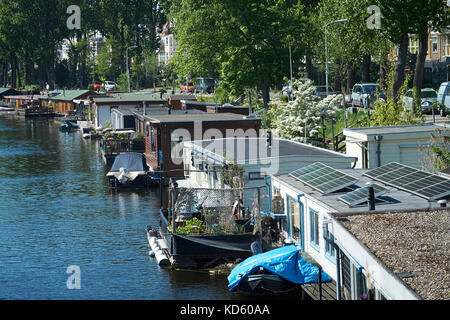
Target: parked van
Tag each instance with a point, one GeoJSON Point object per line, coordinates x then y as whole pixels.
{"type": "Point", "coordinates": [204, 85]}
{"type": "Point", "coordinates": [444, 95]}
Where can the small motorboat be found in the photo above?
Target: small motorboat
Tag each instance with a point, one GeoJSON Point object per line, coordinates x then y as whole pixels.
{"type": "Point", "coordinates": [69, 126]}
{"type": "Point", "coordinates": [264, 284]}
{"type": "Point", "coordinates": [275, 272]}
{"type": "Point", "coordinates": [5, 109]}
{"type": "Point", "coordinates": [128, 170]}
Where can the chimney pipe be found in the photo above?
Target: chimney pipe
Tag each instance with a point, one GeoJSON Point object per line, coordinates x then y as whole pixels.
{"type": "Point", "coordinates": [371, 199]}
{"type": "Point", "coordinates": [269, 139]}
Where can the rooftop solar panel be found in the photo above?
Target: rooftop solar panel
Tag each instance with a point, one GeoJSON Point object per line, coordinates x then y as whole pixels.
{"type": "Point", "coordinates": [424, 184]}
{"type": "Point", "coordinates": [323, 178]}
{"type": "Point", "coordinates": [361, 195]}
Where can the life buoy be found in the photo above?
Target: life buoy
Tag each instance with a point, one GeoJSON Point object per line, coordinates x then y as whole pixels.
{"type": "Point", "coordinates": [235, 210]}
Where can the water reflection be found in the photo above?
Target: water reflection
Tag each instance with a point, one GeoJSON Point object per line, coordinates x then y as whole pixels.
{"type": "Point", "coordinates": [56, 210]}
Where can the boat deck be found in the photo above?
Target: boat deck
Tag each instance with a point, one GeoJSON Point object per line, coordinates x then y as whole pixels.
{"type": "Point", "coordinates": [328, 291]}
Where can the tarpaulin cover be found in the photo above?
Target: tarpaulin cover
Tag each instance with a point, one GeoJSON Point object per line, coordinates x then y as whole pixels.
{"type": "Point", "coordinates": [285, 262]}
{"type": "Point", "coordinates": [131, 161]}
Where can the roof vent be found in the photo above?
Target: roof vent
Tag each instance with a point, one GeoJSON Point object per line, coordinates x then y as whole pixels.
{"type": "Point", "coordinates": [442, 203]}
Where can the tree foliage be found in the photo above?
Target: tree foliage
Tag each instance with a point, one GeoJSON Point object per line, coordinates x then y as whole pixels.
{"type": "Point", "coordinates": [304, 113]}
{"type": "Point", "coordinates": [245, 41]}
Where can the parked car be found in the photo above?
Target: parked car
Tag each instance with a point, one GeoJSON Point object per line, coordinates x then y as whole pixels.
{"type": "Point", "coordinates": [110, 86]}
{"type": "Point", "coordinates": [443, 95]}
{"type": "Point", "coordinates": [204, 85]}
{"type": "Point", "coordinates": [427, 95]}
{"type": "Point", "coordinates": [97, 85]}
{"type": "Point", "coordinates": [287, 89]}
{"type": "Point", "coordinates": [190, 87]}
{"type": "Point", "coordinates": [365, 94]}
{"type": "Point", "coordinates": [321, 91]}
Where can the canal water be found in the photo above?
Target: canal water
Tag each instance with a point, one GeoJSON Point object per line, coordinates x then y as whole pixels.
{"type": "Point", "coordinates": [57, 211]}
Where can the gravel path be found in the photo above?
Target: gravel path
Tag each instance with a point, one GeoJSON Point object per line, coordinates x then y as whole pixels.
{"type": "Point", "coordinates": [416, 242]}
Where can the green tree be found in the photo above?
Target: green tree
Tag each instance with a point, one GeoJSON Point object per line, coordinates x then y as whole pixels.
{"type": "Point", "coordinates": [404, 17]}
{"type": "Point", "coordinates": [245, 41]}
{"type": "Point", "coordinates": [302, 117]}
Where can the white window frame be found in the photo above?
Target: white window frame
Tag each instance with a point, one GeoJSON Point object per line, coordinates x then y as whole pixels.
{"type": "Point", "coordinates": [434, 39]}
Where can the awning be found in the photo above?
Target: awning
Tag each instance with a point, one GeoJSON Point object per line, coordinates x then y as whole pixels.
{"type": "Point", "coordinates": [285, 262]}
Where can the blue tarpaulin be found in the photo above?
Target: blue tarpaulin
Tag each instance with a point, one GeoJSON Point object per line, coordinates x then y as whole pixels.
{"type": "Point", "coordinates": [285, 262]}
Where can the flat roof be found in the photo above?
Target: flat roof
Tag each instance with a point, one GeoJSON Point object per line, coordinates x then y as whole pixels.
{"type": "Point", "coordinates": [252, 148]}
{"type": "Point", "coordinates": [200, 103]}
{"type": "Point", "coordinates": [125, 98]}
{"type": "Point", "coordinates": [394, 200]}
{"type": "Point", "coordinates": [194, 116]}
{"type": "Point", "coordinates": [426, 127]}
{"type": "Point", "coordinates": [413, 245]}
{"type": "Point", "coordinates": [69, 95]}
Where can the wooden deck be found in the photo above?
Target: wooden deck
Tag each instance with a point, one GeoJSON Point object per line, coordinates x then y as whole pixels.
{"type": "Point", "coordinates": [328, 291]}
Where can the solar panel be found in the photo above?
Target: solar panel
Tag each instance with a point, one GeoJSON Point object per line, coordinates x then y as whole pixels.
{"type": "Point", "coordinates": [424, 184]}
{"type": "Point", "coordinates": [323, 178]}
{"type": "Point", "coordinates": [361, 195]}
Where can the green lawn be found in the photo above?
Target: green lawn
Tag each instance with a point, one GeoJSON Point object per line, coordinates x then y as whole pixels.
{"type": "Point", "coordinates": [339, 125]}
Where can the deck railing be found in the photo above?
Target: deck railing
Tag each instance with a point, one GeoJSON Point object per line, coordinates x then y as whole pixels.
{"type": "Point", "coordinates": [118, 146]}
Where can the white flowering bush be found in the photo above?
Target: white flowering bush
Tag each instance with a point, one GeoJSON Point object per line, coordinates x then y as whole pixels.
{"type": "Point", "coordinates": [289, 118]}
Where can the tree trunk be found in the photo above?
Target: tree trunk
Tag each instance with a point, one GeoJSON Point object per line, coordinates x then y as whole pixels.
{"type": "Point", "coordinates": [366, 60]}
{"type": "Point", "coordinates": [265, 90]}
{"type": "Point", "coordinates": [309, 67]}
{"type": "Point", "coordinates": [383, 71]}
{"type": "Point", "coordinates": [350, 76]}
{"type": "Point", "coordinates": [13, 72]}
{"type": "Point", "coordinates": [420, 63]}
{"type": "Point", "coordinates": [337, 77]}
{"type": "Point", "coordinates": [18, 75]}
{"type": "Point", "coordinates": [399, 75]}
{"type": "Point", "coordinates": [28, 72]}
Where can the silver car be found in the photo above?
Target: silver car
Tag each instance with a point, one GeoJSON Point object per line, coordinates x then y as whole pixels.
{"type": "Point", "coordinates": [365, 94]}
{"type": "Point", "coordinates": [428, 98]}
{"type": "Point", "coordinates": [110, 86]}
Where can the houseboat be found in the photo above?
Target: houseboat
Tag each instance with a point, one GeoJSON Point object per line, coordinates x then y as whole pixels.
{"type": "Point", "coordinates": [129, 170]}
{"type": "Point", "coordinates": [319, 202]}
{"type": "Point", "coordinates": [164, 134]}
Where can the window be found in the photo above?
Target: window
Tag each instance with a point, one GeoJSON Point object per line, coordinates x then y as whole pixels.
{"type": "Point", "coordinates": [314, 228]}
{"type": "Point", "coordinates": [447, 46]}
{"type": "Point", "coordinates": [361, 292]}
{"type": "Point", "coordinates": [256, 176]}
{"type": "Point", "coordinates": [330, 251]}
{"type": "Point", "coordinates": [294, 217]}
{"type": "Point", "coordinates": [434, 44]}
{"type": "Point", "coordinates": [413, 45]}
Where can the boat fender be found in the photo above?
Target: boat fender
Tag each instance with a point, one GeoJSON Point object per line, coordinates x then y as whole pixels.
{"type": "Point", "coordinates": [153, 243]}
{"type": "Point", "coordinates": [162, 244]}
{"type": "Point", "coordinates": [161, 258]}
{"type": "Point", "coordinates": [256, 248]}
{"type": "Point", "coordinates": [155, 247]}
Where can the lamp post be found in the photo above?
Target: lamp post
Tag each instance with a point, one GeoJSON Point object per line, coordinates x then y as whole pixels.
{"type": "Point", "coordinates": [326, 51]}
{"type": "Point", "coordinates": [128, 70]}
{"type": "Point", "coordinates": [290, 62]}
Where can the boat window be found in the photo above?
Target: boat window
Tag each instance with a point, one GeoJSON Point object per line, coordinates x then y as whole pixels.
{"type": "Point", "coordinates": [314, 228]}
{"type": "Point", "coordinates": [294, 217]}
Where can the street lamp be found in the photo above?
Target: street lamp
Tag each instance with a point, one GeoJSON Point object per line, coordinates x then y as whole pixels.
{"type": "Point", "coordinates": [128, 70]}
{"type": "Point", "coordinates": [326, 51]}
{"type": "Point", "coordinates": [290, 62]}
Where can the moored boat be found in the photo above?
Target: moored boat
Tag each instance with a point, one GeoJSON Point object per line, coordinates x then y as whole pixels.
{"type": "Point", "coordinates": [69, 126]}
{"type": "Point", "coordinates": [274, 272]}
{"type": "Point", "coordinates": [128, 170]}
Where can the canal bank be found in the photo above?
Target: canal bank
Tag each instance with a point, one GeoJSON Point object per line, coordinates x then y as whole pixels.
{"type": "Point", "coordinates": [57, 211]}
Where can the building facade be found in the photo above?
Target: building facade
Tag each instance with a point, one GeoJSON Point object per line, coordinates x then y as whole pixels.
{"type": "Point", "coordinates": [168, 45]}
